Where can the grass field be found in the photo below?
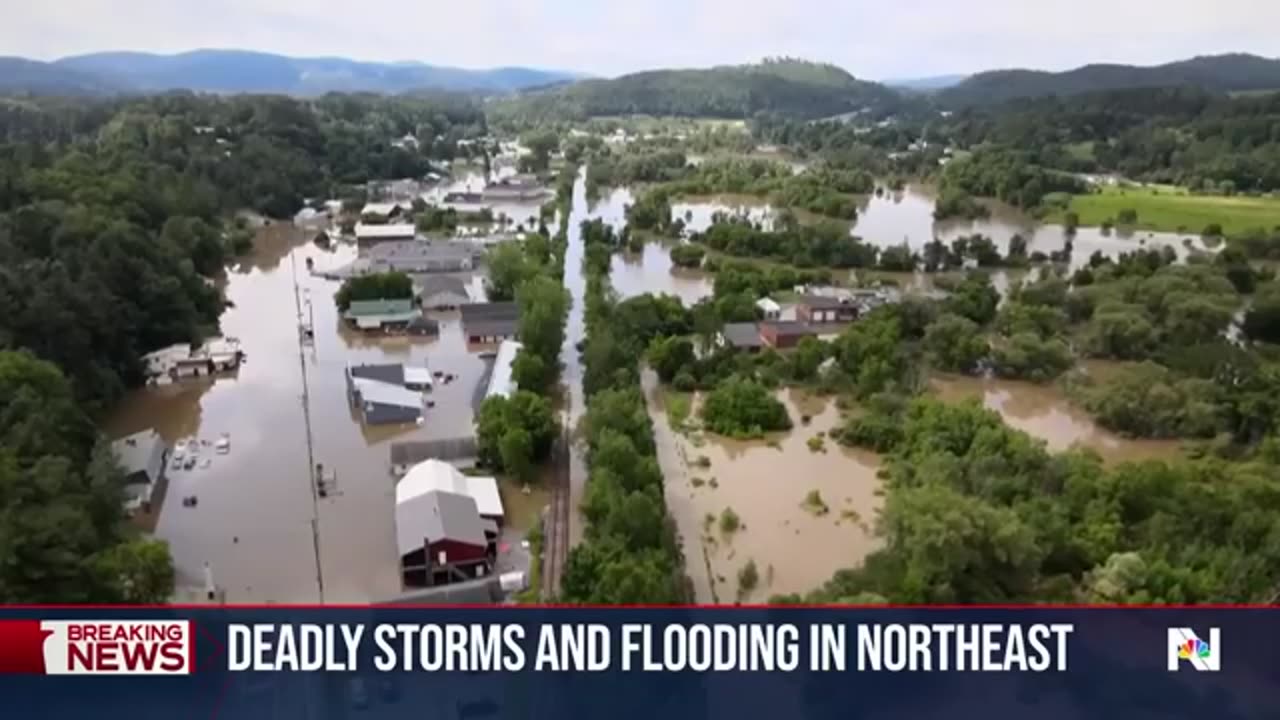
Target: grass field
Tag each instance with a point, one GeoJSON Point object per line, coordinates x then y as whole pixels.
{"type": "Point", "coordinates": [1174, 210]}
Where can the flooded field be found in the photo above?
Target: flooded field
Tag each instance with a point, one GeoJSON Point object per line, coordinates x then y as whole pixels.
{"type": "Point", "coordinates": [253, 520]}
{"type": "Point", "coordinates": [1044, 412]}
{"type": "Point", "coordinates": [802, 514]}
{"type": "Point", "coordinates": [883, 220]}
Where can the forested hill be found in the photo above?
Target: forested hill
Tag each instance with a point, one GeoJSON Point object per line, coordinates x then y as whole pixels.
{"type": "Point", "coordinates": [239, 71]}
{"type": "Point", "coordinates": [1216, 73]}
{"type": "Point", "coordinates": [19, 75]}
{"type": "Point", "coordinates": [787, 87]}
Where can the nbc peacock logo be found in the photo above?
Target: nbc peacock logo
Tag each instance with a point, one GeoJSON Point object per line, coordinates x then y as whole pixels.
{"type": "Point", "coordinates": [1194, 648]}
{"type": "Point", "coordinates": [1186, 646]}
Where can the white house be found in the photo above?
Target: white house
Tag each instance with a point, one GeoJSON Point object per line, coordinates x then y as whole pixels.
{"type": "Point", "coordinates": [770, 309]}
{"type": "Point", "coordinates": [500, 380]}
{"type": "Point", "coordinates": [435, 474]}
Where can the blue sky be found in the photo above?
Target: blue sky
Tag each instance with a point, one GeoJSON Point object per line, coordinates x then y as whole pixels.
{"type": "Point", "coordinates": [878, 40]}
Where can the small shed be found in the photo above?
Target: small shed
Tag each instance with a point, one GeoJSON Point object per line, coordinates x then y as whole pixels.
{"type": "Point", "coordinates": [769, 310]}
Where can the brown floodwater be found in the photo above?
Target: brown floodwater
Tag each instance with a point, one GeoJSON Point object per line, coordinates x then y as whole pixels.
{"type": "Point", "coordinates": [884, 220]}
{"type": "Point", "coordinates": [1043, 411]}
{"type": "Point", "coordinates": [252, 523]}
{"type": "Point", "coordinates": [796, 546]}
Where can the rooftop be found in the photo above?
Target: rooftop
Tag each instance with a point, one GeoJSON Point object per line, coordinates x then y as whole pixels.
{"type": "Point", "coordinates": [384, 393]}
{"type": "Point", "coordinates": [381, 208]}
{"type": "Point", "coordinates": [141, 452]}
{"type": "Point", "coordinates": [386, 372]}
{"type": "Point", "coordinates": [361, 308]}
{"type": "Point", "coordinates": [822, 301]}
{"type": "Point", "coordinates": [500, 381]}
{"type": "Point", "coordinates": [434, 516]}
{"type": "Point", "coordinates": [768, 305]}
{"type": "Point", "coordinates": [436, 474]}
{"type": "Point", "coordinates": [433, 284]}
{"type": "Point", "coordinates": [743, 335]}
{"type": "Point", "coordinates": [376, 232]}
{"type": "Point", "coordinates": [789, 327]}
{"type": "Point", "coordinates": [490, 311]}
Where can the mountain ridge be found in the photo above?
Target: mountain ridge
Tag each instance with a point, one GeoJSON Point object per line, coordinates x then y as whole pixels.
{"type": "Point", "coordinates": [235, 71]}
{"type": "Point", "coordinates": [775, 85]}
{"type": "Point", "coordinates": [1228, 72]}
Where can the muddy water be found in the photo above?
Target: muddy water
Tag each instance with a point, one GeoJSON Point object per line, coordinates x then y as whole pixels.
{"type": "Point", "coordinates": [795, 547]}
{"type": "Point", "coordinates": [908, 216]}
{"type": "Point", "coordinates": [883, 220]}
{"type": "Point", "coordinates": [1044, 412]}
{"type": "Point", "coordinates": [252, 523]}
{"type": "Point", "coordinates": [570, 358]}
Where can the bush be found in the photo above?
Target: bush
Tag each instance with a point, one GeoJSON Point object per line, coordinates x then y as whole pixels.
{"type": "Point", "coordinates": [688, 255]}
{"type": "Point", "coordinates": [743, 408]}
{"type": "Point", "coordinates": [748, 577]}
{"type": "Point", "coordinates": [729, 521]}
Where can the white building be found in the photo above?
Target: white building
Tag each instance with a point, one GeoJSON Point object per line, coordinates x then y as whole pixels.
{"type": "Point", "coordinates": [770, 309]}
{"type": "Point", "coordinates": [500, 380]}
{"type": "Point", "coordinates": [435, 474]}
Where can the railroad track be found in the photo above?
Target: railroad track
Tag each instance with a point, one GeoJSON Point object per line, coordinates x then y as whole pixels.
{"type": "Point", "coordinates": [555, 546]}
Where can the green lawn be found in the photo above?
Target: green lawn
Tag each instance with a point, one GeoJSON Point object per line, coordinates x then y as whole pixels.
{"type": "Point", "coordinates": [1173, 210]}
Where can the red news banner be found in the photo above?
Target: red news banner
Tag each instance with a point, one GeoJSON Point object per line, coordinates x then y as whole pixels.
{"type": "Point", "coordinates": [102, 647]}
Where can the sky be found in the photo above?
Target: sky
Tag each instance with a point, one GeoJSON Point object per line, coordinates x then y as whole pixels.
{"type": "Point", "coordinates": [883, 39]}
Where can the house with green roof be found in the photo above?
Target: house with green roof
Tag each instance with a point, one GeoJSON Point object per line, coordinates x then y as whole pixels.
{"type": "Point", "coordinates": [389, 314]}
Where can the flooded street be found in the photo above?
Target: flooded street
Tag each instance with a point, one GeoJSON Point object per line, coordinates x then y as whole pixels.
{"type": "Point", "coordinates": [1043, 411]}
{"type": "Point", "coordinates": [795, 537]}
{"type": "Point", "coordinates": [253, 520]}
{"type": "Point", "coordinates": [575, 333]}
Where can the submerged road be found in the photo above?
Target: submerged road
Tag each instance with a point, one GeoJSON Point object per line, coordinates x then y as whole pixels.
{"type": "Point", "coordinates": [564, 527]}
{"type": "Point", "coordinates": [675, 474]}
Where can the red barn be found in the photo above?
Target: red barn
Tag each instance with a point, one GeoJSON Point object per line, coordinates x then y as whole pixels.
{"type": "Point", "coordinates": [442, 539]}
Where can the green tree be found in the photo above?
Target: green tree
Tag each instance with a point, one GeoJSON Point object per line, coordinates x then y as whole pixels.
{"type": "Point", "coordinates": [738, 407]}
{"type": "Point", "coordinates": [140, 570]}
{"type": "Point", "coordinates": [955, 343]}
{"type": "Point", "coordinates": [516, 449]}
{"type": "Point", "coordinates": [668, 356]}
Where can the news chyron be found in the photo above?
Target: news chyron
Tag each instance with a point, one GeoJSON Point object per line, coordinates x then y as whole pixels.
{"type": "Point", "coordinates": [97, 647]}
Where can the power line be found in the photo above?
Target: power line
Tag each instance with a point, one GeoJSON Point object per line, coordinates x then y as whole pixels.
{"type": "Point", "coordinates": [306, 416]}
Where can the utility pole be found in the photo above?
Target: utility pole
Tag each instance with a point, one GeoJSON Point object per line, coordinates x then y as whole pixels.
{"type": "Point", "coordinates": [306, 417]}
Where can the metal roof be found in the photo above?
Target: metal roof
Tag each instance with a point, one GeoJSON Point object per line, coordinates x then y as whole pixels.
{"type": "Point", "coordinates": [500, 382]}
{"type": "Point", "coordinates": [141, 452]}
{"type": "Point", "coordinates": [744, 335]}
{"type": "Point", "coordinates": [386, 372]}
{"type": "Point", "coordinates": [389, 307]}
{"type": "Point", "coordinates": [434, 516]}
{"type": "Point", "coordinates": [381, 393]}
{"type": "Point", "coordinates": [381, 232]}
{"type": "Point", "coordinates": [435, 474]}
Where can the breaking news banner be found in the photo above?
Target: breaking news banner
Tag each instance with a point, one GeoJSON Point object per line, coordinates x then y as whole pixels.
{"type": "Point", "coordinates": [669, 663]}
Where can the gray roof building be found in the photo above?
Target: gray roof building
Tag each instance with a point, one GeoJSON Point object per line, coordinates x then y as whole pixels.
{"type": "Point", "coordinates": [741, 335]}
{"type": "Point", "coordinates": [459, 452]}
{"type": "Point", "coordinates": [142, 456]}
{"type": "Point", "coordinates": [483, 322]}
{"type": "Point", "coordinates": [439, 291]}
{"type": "Point", "coordinates": [435, 516]}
